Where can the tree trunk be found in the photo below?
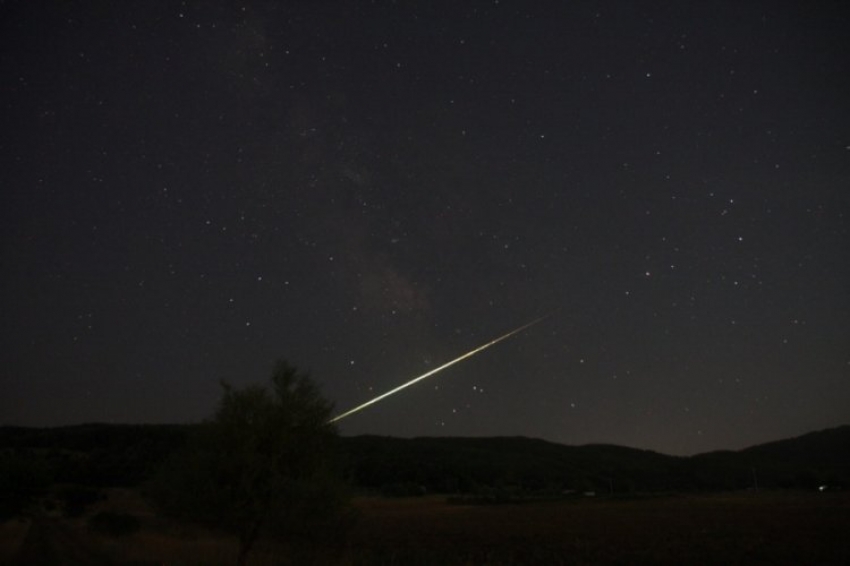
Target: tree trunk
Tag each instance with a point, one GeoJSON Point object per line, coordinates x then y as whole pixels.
{"type": "Point", "coordinates": [246, 542]}
{"type": "Point", "coordinates": [244, 548]}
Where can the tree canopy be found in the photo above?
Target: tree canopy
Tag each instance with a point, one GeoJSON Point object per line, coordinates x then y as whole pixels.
{"type": "Point", "coordinates": [262, 465]}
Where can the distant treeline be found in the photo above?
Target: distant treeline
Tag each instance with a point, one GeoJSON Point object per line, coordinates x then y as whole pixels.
{"type": "Point", "coordinates": [532, 466]}
{"type": "Point", "coordinates": [81, 459]}
{"type": "Point", "coordinates": [100, 455]}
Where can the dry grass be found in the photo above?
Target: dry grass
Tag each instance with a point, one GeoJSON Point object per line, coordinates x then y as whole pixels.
{"type": "Point", "coordinates": [157, 548]}
{"type": "Point", "coordinates": [12, 534]}
{"type": "Point", "coordinates": [741, 528]}
{"type": "Point", "coordinates": [729, 529]}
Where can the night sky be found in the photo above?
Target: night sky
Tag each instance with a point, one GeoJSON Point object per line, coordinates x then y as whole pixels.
{"type": "Point", "coordinates": [192, 190]}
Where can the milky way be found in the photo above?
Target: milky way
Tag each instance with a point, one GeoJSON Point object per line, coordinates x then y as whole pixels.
{"type": "Point", "coordinates": [193, 190]}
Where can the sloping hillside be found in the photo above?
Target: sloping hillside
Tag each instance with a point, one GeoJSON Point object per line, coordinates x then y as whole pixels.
{"type": "Point", "coordinates": [124, 455]}
{"type": "Point", "coordinates": [461, 464]}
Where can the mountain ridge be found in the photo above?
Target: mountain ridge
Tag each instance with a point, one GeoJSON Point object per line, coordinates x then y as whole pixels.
{"type": "Point", "coordinates": [127, 454]}
{"type": "Point", "coordinates": [807, 461]}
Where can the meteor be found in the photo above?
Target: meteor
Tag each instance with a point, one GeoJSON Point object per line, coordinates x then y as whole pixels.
{"type": "Point", "coordinates": [435, 370]}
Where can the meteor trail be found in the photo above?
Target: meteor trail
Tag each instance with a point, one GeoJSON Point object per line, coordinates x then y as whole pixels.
{"type": "Point", "coordinates": [435, 370]}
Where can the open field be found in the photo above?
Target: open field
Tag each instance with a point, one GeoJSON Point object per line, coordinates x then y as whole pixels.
{"type": "Point", "coordinates": [716, 529]}
{"type": "Point", "coordinates": [741, 528]}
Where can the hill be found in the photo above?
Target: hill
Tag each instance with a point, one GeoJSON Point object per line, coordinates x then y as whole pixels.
{"type": "Point", "coordinates": [820, 458]}
{"type": "Point", "coordinates": [448, 464]}
{"type": "Point", "coordinates": [101, 455]}
{"type": "Point", "coordinates": [460, 464]}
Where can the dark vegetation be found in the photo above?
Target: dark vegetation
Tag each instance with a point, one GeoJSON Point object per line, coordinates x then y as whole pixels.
{"type": "Point", "coordinates": [78, 461]}
{"type": "Point", "coordinates": [261, 467]}
{"type": "Point", "coordinates": [114, 524]}
{"type": "Point", "coordinates": [646, 507]}
{"type": "Point", "coordinates": [507, 468]}
{"type": "Point", "coordinates": [99, 455]}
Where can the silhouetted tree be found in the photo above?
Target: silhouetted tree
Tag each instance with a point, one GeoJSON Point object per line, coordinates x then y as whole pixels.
{"type": "Point", "coordinates": [261, 466]}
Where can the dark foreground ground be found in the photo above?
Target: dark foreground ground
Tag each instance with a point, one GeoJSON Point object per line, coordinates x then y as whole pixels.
{"type": "Point", "coordinates": [742, 528]}
{"type": "Point", "coordinates": [717, 529]}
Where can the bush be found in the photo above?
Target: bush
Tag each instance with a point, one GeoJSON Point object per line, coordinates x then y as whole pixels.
{"type": "Point", "coordinates": [77, 499]}
{"type": "Point", "coordinates": [114, 524]}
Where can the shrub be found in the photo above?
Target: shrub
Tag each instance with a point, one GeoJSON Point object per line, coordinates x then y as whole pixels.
{"type": "Point", "coordinates": [114, 524]}
{"type": "Point", "coordinates": [77, 499]}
